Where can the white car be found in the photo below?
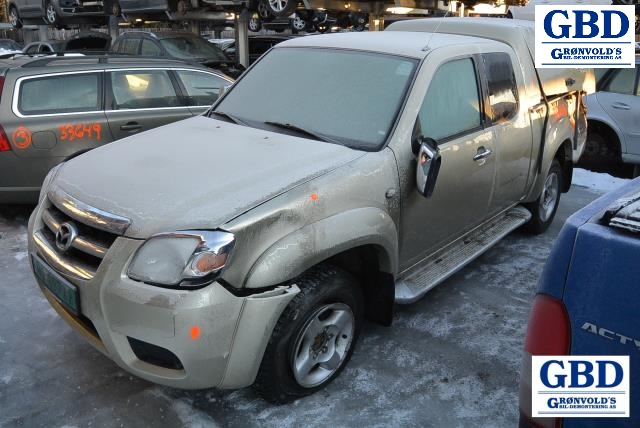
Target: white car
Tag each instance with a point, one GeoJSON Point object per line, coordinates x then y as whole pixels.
{"type": "Point", "coordinates": [613, 140]}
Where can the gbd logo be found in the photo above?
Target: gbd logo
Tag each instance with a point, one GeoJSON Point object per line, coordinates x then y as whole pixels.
{"type": "Point", "coordinates": [580, 386]}
{"type": "Point", "coordinates": [584, 36]}
{"type": "Point", "coordinates": [586, 24]}
{"type": "Point", "coordinates": [581, 374]}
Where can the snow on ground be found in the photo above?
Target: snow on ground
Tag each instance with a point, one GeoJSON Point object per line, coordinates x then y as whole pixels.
{"type": "Point", "coordinates": [600, 182]}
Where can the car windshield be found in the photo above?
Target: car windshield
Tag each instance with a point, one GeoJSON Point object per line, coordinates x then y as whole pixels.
{"type": "Point", "coordinates": [9, 45]}
{"type": "Point", "coordinates": [185, 47]}
{"type": "Point", "coordinates": [350, 97]}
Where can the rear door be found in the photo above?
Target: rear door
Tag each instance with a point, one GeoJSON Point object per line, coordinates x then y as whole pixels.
{"type": "Point", "coordinates": [66, 121]}
{"type": "Point", "coordinates": [142, 99]}
{"type": "Point", "coordinates": [201, 88]}
{"type": "Point", "coordinates": [619, 96]}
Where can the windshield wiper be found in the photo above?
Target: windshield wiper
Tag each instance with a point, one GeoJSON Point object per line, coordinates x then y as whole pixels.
{"type": "Point", "coordinates": [300, 130]}
{"type": "Point", "coordinates": [231, 117]}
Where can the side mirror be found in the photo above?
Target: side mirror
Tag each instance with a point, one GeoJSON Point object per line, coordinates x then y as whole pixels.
{"type": "Point", "coordinates": [428, 166]}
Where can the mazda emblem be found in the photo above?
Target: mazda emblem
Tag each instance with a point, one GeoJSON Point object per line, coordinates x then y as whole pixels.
{"type": "Point", "coordinates": [66, 234]}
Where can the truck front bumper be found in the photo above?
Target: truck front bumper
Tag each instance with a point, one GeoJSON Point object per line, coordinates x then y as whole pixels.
{"type": "Point", "coordinates": [185, 339]}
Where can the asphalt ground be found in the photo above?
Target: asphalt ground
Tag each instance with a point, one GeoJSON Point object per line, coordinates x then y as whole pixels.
{"type": "Point", "coordinates": [449, 360]}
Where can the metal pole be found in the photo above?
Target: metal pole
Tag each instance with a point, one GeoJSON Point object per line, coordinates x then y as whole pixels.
{"type": "Point", "coordinates": [241, 22]}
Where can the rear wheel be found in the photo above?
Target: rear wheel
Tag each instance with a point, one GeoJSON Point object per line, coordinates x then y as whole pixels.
{"type": "Point", "coordinates": [543, 209]}
{"type": "Point", "coordinates": [255, 23]}
{"type": "Point", "coordinates": [281, 7]}
{"type": "Point", "coordinates": [14, 18]}
{"type": "Point", "coordinates": [314, 337]}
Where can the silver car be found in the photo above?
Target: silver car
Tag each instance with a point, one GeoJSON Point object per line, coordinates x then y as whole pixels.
{"type": "Point", "coordinates": [613, 114]}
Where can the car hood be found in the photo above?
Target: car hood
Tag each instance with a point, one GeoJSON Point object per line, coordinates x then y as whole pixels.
{"type": "Point", "coordinates": [197, 173]}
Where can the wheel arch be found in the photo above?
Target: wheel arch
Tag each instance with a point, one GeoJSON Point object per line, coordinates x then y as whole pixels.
{"type": "Point", "coordinates": [601, 126]}
{"type": "Point", "coordinates": [362, 242]}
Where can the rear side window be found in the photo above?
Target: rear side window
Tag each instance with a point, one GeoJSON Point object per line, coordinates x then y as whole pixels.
{"type": "Point", "coordinates": [622, 81]}
{"type": "Point", "coordinates": [143, 89]}
{"type": "Point", "coordinates": [451, 106]}
{"type": "Point", "coordinates": [503, 90]}
{"type": "Point", "coordinates": [68, 93]}
{"type": "Point", "coordinates": [202, 88]}
{"type": "Point", "coordinates": [149, 48]}
{"type": "Point", "coordinates": [128, 46]}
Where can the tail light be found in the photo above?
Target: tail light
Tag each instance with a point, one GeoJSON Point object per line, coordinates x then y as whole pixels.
{"type": "Point", "coordinates": [4, 141]}
{"type": "Point", "coordinates": [548, 333]}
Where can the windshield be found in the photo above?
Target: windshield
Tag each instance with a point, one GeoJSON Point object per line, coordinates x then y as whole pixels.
{"type": "Point", "coordinates": [185, 47]}
{"type": "Point", "coordinates": [347, 96]}
{"type": "Point", "coordinates": [9, 45]}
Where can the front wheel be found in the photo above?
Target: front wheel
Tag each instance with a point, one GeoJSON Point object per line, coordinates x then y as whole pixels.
{"type": "Point", "coordinates": [281, 7]}
{"type": "Point", "coordinates": [543, 209]}
{"type": "Point", "coordinates": [51, 15]}
{"type": "Point", "coordinates": [314, 337]}
{"type": "Point", "coordinates": [14, 18]}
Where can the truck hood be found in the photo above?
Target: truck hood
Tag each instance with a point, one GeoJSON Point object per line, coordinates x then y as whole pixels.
{"type": "Point", "coordinates": [197, 173]}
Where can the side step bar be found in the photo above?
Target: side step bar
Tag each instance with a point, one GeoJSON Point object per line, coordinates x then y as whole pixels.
{"type": "Point", "coordinates": [450, 259]}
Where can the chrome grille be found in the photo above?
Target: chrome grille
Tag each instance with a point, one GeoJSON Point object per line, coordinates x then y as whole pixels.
{"type": "Point", "coordinates": [94, 231]}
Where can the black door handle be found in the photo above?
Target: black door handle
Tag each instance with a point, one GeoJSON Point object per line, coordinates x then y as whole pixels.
{"type": "Point", "coordinates": [130, 126]}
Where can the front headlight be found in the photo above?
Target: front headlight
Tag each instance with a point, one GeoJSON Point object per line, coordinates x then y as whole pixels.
{"type": "Point", "coordinates": [182, 259]}
{"type": "Point", "coordinates": [47, 181]}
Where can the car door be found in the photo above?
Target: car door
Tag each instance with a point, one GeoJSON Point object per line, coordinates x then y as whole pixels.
{"type": "Point", "coordinates": [619, 96]}
{"type": "Point", "coordinates": [201, 88]}
{"type": "Point", "coordinates": [451, 114]}
{"type": "Point", "coordinates": [49, 129]}
{"type": "Point", "coordinates": [512, 152]}
{"type": "Point", "coordinates": [142, 99]}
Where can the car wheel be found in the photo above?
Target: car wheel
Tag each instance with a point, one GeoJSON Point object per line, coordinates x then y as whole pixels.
{"type": "Point", "coordinates": [255, 23]}
{"type": "Point", "coordinates": [314, 337]}
{"type": "Point", "coordinates": [14, 18]}
{"type": "Point", "coordinates": [281, 7]}
{"type": "Point", "coordinates": [264, 12]}
{"type": "Point", "coordinates": [543, 209]}
{"type": "Point", "coordinates": [116, 10]}
{"type": "Point", "coordinates": [298, 23]}
{"type": "Point", "coordinates": [51, 15]}
{"type": "Point", "coordinates": [182, 7]}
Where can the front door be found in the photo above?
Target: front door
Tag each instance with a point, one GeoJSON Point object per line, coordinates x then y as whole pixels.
{"type": "Point", "coordinates": [141, 100]}
{"type": "Point", "coordinates": [451, 115]}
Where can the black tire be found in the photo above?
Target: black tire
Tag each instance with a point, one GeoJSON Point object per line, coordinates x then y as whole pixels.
{"type": "Point", "coordinates": [255, 23]}
{"type": "Point", "coordinates": [116, 10]}
{"type": "Point", "coordinates": [324, 291]}
{"type": "Point", "coordinates": [50, 13]}
{"type": "Point", "coordinates": [14, 18]}
{"type": "Point", "coordinates": [280, 7]}
{"type": "Point", "coordinates": [298, 23]}
{"type": "Point", "coordinates": [543, 209]}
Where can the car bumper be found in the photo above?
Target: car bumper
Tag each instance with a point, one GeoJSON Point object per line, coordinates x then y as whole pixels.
{"type": "Point", "coordinates": [185, 339]}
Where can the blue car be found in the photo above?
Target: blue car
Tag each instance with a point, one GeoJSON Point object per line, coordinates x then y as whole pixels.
{"type": "Point", "coordinates": [588, 299]}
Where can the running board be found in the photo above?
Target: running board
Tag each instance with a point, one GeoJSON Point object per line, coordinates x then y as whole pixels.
{"type": "Point", "coordinates": [447, 261]}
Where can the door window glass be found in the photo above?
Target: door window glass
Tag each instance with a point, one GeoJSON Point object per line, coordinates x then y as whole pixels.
{"type": "Point", "coordinates": [503, 90]}
{"type": "Point", "coordinates": [64, 94]}
{"type": "Point", "coordinates": [149, 48]}
{"type": "Point", "coordinates": [128, 46]}
{"type": "Point", "coordinates": [622, 81]}
{"type": "Point", "coordinates": [451, 105]}
{"type": "Point", "coordinates": [202, 88]}
{"type": "Point", "coordinates": [143, 89]}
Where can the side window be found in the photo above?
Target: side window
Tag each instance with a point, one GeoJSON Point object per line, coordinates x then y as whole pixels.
{"type": "Point", "coordinates": [451, 105]}
{"type": "Point", "coordinates": [143, 89]}
{"type": "Point", "coordinates": [32, 49]}
{"type": "Point", "coordinates": [622, 81]}
{"type": "Point", "coordinates": [65, 94]}
{"type": "Point", "coordinates": [202, 88]}
{"type": "Point", "coordinates": [45, 49]}
{"type": "Point", "coordinates": [503, 90]}
{"type": "Point", "coordinates": [149, 48]}
{"type": "Point", "coordinates": [128, 46]}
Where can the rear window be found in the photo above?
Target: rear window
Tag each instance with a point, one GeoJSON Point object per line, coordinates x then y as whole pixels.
{"type": "Point", "coordinates": [68, 93]}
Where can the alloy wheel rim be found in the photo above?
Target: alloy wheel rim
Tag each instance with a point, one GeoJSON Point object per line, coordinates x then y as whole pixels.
{"type": "Point", "coordinates": [51, 13]}
{"type": "Point", "coordinates": [549, 196]}
{"type": "Point", "coordinates": [278, 5]}
{"type": "Point", "coordinates": [13, 17]}
{"type": "Point", "coordinates": [323, 344]}
{"type": "Point", "coordinates": [299, 23]}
